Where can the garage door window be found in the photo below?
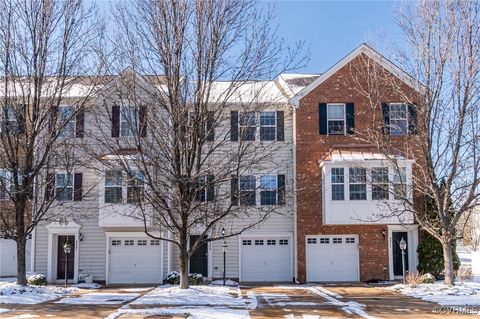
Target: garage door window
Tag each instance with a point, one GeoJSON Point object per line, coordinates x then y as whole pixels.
{"type": "Point", "coordinates": [325, 240]}
{"type": "Point", "coordinates": [154, 242]}
{"type": "Point", "coordinates": [116, 243]}
{"type": "Point", "coordinates": [337, 240]}
{"type": "Point", "coordinates": [142, 242]}
{"type": "Point", "coordinates": [259, 242]}
{"type": "Point", "coordinates": [311, 241]}
{"type": "Point", "coordinates": [129, 243]}
{"type": "Point", "coordinates": [283, 242]}
{"type": "Point", "coordinates": [247, 243]}
{"type": "Point", "coordinates": [271, 242]}
{"type": "Point", "coordinates": [350, 240]}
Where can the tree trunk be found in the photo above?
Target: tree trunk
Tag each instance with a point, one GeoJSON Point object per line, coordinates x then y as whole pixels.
{"type": "Point", "coordinates": [184, 284]}
{"type": "Point", "coordinates": [21, 269]}
{"type": "Point", "coordinates": [448, 262]}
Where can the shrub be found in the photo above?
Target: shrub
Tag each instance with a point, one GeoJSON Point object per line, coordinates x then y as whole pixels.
{"type": "Point", "coordinates": [413, 279]}
{"type": "Point", "coordinates": [428, 278]}
{"type": "Point", "coordinates": [464, 273]}
{"type": "Point", "coordinates": [195, 279]}
{"type": "Point", "coordinates": [430, 256]}
{"type": "Point", "coordinates": [173, 278]}
{"type": "Point", "coordinates": [37, 280]}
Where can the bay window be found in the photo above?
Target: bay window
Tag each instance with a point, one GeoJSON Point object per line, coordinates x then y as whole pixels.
{"type": "Point", "coordinates": [358, 183]}
{"type": "Point", "coordinates": [338, 183]}
{"type": "Point", "coordinates": [380, 183]}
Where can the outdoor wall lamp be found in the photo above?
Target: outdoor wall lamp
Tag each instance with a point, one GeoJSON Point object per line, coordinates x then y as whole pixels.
{"type": "Point", "coordinates": [81, 237]}
{"type": "Point", "coordinates": [384, 233]}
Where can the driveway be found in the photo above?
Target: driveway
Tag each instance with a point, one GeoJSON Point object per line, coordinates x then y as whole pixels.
{"type": "Point", "coordinates": [262, 301]}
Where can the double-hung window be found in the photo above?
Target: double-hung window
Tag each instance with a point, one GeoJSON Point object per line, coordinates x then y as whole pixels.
{"type": "Point", "coordinates": [128, 121]}
{"type": "Point", "coordinates": [201, 185]}
{"type": "Point", "coordinates": [335, 119]}
{"type": "Point", "coordinates": [267, 126]}
{"type": "Point", "coordinates": [380, 183]}
{"type": "Point", "coordinates": [247, 190]}
{"type": "Point", "coordinates": [338, 183]}
{"type": "Point", "coordinates": [113, 187]}
{"type": "Point", "coordinates": [8, 121]}
{"type": "Point", "coordinates": [268, 190]}
{"type": "Point", "coordinates": [398, 118]}
{"type": "Point", "coordinates": [357, 183]}
{"type": "Point", "coordinates": [135, 187]}
{"type": "Point", "coordinates": [247, 125]}
{"type": "Point", "coordinates": [5, 181]}
{"type": "Point", "coordinates": [400, 182]}
{"type": "Point", "coordinates": [67, 121]}
{"type": "Point", "coordinates": [64, 186]}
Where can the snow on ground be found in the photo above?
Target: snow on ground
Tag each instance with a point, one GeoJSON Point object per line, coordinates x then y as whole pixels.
{"type": "Point", "coordinates": [7, 280]}
{"type": "Point", "coordinates": [11, 293]}
{"type": "Point", "coordinates": [228, 282]}
{"type": "Point", "coordinates": [136, 289]}
{"type": "Point", "coordinates": [99, 298]}
{"type": "Point", "coordinates": [464, 294]}
{"type": "Point", "coordinates": [24, 316]}
{"type": "Point", "coordinates": [87, 286]}
{"type": "Point", "coordinates": [195, 295]}
{"type": "Point", "coordinates": [192, 313]}
{"type": "Point", "coordinates": [3, 310]}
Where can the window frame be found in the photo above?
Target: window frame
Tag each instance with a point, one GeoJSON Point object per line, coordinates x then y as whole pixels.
{"type": "Point", "coordinates": [399, 179]}
{"type": "Point", "coordinates": [72, 121]}
{"type": "Point", "coordinates": [353, 182]}
{"type": "Point", "coordinates": [133, 128]}
{"type": "Point", "coordinates": [274, 126]}
{"type": "Point", "coordinates": [392, 128]}
{"type": "Point", "coordinates": [117, 185]}
{"type": "Point", "coordinates": [332, 120]}
{"type": "Point", "coordinates": [248, 192]}
{"type": "Point", "coordinates": [263, 191]}
{"type": "Point", "coordinates": [65, 187]}
{"type": "Point", "coordinates": [332, 183]}
{"type": "Point", "coordinates": [383, 184]}
{"type": "Point", "coordinates": [250, 126]}
{"type": "Point", "coordinates": [139, 183]}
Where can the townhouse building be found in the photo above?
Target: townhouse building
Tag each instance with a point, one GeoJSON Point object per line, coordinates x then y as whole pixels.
{"type": "Point", "coordinates": [323, 228]}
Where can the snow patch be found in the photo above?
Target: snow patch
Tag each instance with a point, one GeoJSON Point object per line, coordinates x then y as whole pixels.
{"type": "Point", "coordinates": [88, 286]}
{"type": "Point", "coordinates": [98, 298]}
{"type": "Point", "coordinates": [192, 313]}
{"type": "Point", "coordinates": [3, 310]}
{"type": "Point", "coordinates": [251, 302]}
{"type": "Point", "coordinates": [228, 282]}
{"type": "Point", "coordinates": [136, 289]}
{"type": "Point", "coordinates": [24, 316]}
{"type": "Point", "coordinates": [29, 295]}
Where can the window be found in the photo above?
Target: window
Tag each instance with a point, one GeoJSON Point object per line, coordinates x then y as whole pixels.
{"type": "Point", "coordinates": [201, 195]}
{"type": "Point", "coordinates": [267, 126]}
{"type": "Point", "coordinates": [154, 242]}
{"type": "Point", "coordinates": [135, 187]}
{"type": "Point", "coordinates": [129, 242]}
{"type": "Point", "coordinates": [283, 242]}
{"type": "Point", "coordinates": [336, 119]}
{"type": "Point", "coordinates": [271, 242]}
{"type": "Point", "coordinates": [268, 190]}
{"type": "Point", "coordinates": [337, 240]}
{"type": "Point", "coordinates": [398, 118]}
{"type": "Point", "coordinates": [350, 240]}
{"type": "Point", "coordinates": [380, 183]}
{"type": "Point", "coordinates": [64, 186]}
{"type": "Point", "coordinates": [259, 242]}
{"type": "Point", "coordinates": [116, 242]}
{"type": "Point", "coordinates": [338, 180]}
{"type": "Point", "coordinates": [67, 121]}
{"type": "Point", "coordinates": [9, 120]}
{"type": "Point", "coordinates": [324, 240]}
{"type": "Point", "coordinates": [247, 190]}
{"type": "Point", "coordinates": [311, 240]}
{"type": "Point", "coordinates": [399, 183]}
{"type": "Point", "coordinates": [128, 121]}
{"type": "Point", "coordinates": [113, 187]}
{"type": "Point", "coordinates": [357, 183]}
{"type": "Point", "coordinates": [247, 242]}
{"type": "Point", "coordinates": [142, 242]}
{"type": "Point", "coordinates": [247, 125]}
{"type": "Point", "coordinates": [5, 182]}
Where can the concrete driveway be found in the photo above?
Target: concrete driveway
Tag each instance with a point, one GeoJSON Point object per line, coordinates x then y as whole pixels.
{"type": "Point", "coordinates": [262, 301]}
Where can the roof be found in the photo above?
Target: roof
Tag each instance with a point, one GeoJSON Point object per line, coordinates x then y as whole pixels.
{"type": "Point", "coordinates": [362, 49]}
{"type": "Point", "coordinates": [342, 156]}
{"type": "Point", "coordinates": [247, 92]}
{"type": "Point", "coordinates": [294, 83]}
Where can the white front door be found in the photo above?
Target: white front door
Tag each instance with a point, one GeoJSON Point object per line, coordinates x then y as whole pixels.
{"type": "Point", "coordinates": [8, 257]}
{"type": "Point", "coordinates": [332, 258]}
{"type": "Point", "coordinates": [266, 259]}
{"type": "Point", "coordinates": [135, 261]}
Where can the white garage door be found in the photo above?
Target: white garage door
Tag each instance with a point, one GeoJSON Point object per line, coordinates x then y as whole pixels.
{"type": "Point", "coordinates": [266, 259]}
{"type": "Point", "coordinates": [8, 257]}
{"type": "Point", "coordinates": [135, 261]}
{"type": "Point", "coordinates": [332, 258]}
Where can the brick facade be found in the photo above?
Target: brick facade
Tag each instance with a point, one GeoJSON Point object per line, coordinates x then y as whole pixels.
{"type": "Point", "coordinates": [312, 147]}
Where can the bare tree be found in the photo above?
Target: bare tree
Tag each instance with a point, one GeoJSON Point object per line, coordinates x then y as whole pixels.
{"type": "Point", "coordinates": [44, 47]}
{"type": "Point", "coordinates": [188, 106]}
{"type": "Point", "coordinates": [441, 120]}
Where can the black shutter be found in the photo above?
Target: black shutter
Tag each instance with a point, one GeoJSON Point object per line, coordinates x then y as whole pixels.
{"type": "Point", "coordinates": [234, 190]}
{"type": "Point", "coordinates": [53, 119]}
{"type": "Point", "coordinates": [281, 189]}
{"type": "Point", "coordinates": [21, 119]}
{"type": "Point", "coordinates": [80, 123]}
{"type": "Point", "coordinates": [350, 116]}
{"type": "Point", "coordinates": [234, 126]}
{"type": "Point", "coordinates": [210, 126]}
{"type": "Point", "coordinates": [280, 126]}
{"type": "Point", "coordinates": [322, 118]}
{"type": "Point", "coordinates": [210, 189]}
{"type": "Point", "coordinates": [115, 121]}
{"type": "Point", "coordinates": [50, 186]}
{"type": "Point", "coordinates": [142, 119]}
{"type": "Point", "coordinates": [386, 118]}
{"type": "Point", "coordinates": [77, 186]}
{"type": "Point", "coordinates": [412, 119]}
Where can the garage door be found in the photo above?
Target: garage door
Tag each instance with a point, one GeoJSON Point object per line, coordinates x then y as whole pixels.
{"type": "Point", "coordinates": [8, 257]}
{"type": "Point", "coordinates": [266, 259]}
{"type": "Point", "coordinates": [135, 261]}
{"type": "Point", "coordinates": [332, 258]}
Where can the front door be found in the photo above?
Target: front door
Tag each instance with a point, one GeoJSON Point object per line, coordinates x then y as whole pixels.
{"type": "Point", "coordinates": [62, 257]}
{"type": "Point", "coordinates": [397, 253]}
{"type": "Point", "coordinates": [199, 260]}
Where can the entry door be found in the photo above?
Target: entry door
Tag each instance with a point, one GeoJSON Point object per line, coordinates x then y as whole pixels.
{"type": "Point", "coordinates": [61, 257]}
{"type": "Point", "coordinates": [199, 260]}
{"type": "Point", "coordinates": [397, 252]}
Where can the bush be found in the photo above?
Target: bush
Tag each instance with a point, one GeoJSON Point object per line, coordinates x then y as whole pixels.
{"type": "Point", "coordinates": [173, 278]}
{"type": "Point", "coordinates": [430, 256]}
{"type": "Point", "coordinates": [464, 273]}
{"type": "Point", "coordinates": [37, 280]}
{"type": "Point", "coordinates": [428, 278]}
{"type": "Point", "coordinates": [413, 279]}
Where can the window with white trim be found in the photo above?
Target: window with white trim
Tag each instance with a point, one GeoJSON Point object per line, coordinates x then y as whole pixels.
{"type": "Point", "coordinates": [258, 242]}
{"type": "Point", "coordinates": [350, 240]}
{"type": "Point", "coordinates": [64, 186]}
{"type": "Point", "coordinates": [324, 240]}
{"type": "Point", "coordinates": [248, 126]}
{"type": "Point", "coordinates": [336, 119]}
{"type": "Point", "coordinates": [380, 183]}
{"type": "Point", "coordinates": [247, 190]}
{"type": "Point", "coordinates": [128, 121]}
{"type": "Point", "coordinates": [67, 121]}
{"type": "Point", "coordinates": [338, 183]}
{"type": "Point", "coordinates": [311, 240]}
{"type": "Point", "coordinates": [113, 187]}
{"type": "Point", "coordinates": [246, 242]}
{"type": "Point", "coordinates": [271, 242]}
{"type": "Point", "coordinates": [357, 183]}
{"type": "Point", "coordinates": [283, 242]}
{"type": "Point", "coordinates": [135, 187]}
{"type": "Point", "coordinates": [8, 120]}
{"type": "Point", "coordinates": [337, 240]}
{"type": "Point", "coordinates": [400, 182]}
{"type": "Point", "coordinates": [268, 190]}
{"type": "Point", "coordinates": [398, 113]}
{"type": "Point", "coordinates": [268, 124]}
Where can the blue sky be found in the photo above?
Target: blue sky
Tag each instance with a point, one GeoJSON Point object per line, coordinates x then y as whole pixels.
{"type": "Point", "coordinates": [331, 29]}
